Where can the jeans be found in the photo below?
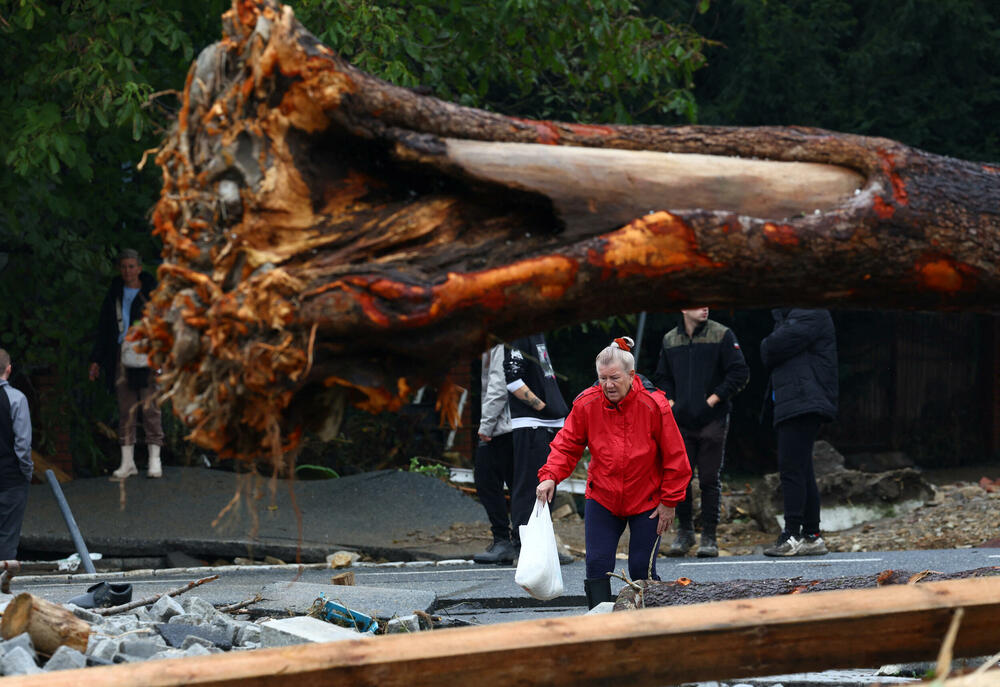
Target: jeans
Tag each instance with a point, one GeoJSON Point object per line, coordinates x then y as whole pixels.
{"type": "Point", "coordinates": [603, 529]}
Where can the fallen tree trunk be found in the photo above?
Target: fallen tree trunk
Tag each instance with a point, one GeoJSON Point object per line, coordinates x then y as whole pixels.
{"type": "Point", "coordinates": [684, 591]}
{"type": "Point", "coordinates": [655, 646]}
{"type": "Point", "coordinates": [329, 237]}
{"type": "Point", "coordinates": [49, 625]}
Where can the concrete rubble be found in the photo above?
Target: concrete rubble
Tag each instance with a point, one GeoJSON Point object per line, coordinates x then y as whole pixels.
{"type": "Point", "coordinates": [191, 626]}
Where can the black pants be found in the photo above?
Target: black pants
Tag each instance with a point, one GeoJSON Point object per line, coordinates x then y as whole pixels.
{"type": "Point", "coordinates": [706, 450]}
{"type": "Point", "coordinates": [493, 469]}
{"type": "Point", "coordinates": [796, 437]}
{"type": "Point", "coordinates": [531, 450]}
{"type": "Point", "coordinates": [603, 529]}
{"type": "Point", "coordinates": [13, 501]}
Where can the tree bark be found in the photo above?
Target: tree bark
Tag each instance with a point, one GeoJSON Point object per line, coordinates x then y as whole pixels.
{"type": "Point", "coordinates": [329, 237]}
{"type": "Point", "coordinates": [49, 625]}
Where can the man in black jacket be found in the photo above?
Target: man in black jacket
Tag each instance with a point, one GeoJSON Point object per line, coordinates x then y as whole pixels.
{"type": "Point", "coordinates": [701, 368]}
{"type": "Point", "coordinates": [537, 412]}
{"type": "Point", "coordinates": [801, 354]}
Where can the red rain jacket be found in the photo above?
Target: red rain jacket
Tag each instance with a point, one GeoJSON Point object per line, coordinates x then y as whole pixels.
{"type": "Point", "coordinates": [638, 459]}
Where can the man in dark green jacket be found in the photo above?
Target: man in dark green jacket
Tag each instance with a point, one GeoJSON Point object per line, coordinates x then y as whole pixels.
{"type": "Point", "coordinates": [701, 368]}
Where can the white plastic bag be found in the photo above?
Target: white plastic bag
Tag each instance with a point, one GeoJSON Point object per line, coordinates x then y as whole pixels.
{"type": "Point", "coordinates": [538, 570]}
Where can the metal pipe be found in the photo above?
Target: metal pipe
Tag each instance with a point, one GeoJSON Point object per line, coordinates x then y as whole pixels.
{"type": "Point", "coordinates": [67, 514]}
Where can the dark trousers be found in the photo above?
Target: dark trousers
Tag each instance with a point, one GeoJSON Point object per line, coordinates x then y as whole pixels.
{"type": "Point", "coordinates": [603, 529]}
{"type": "Point", "coordinates": [493, 469]}
{"type": "Point", "coordinates": [13, 501]}
{"type": "Point", "coordinates": [706, 450]}
{"type": "Point", "coordinates": [531, 450]}
{"type": "Point", "coordinates": [796, 437]}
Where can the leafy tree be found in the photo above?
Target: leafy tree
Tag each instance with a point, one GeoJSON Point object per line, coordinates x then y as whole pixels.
{"type": "Point", "coordinates": [76, 120]}
{"type": "Point", "coordinates": [919, 71]}
{"type": "Point", "coordinates": [576, 60]}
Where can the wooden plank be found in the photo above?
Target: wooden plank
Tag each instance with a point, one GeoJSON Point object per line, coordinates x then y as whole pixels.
{"type": "Point", "coordinates": [657, 646]}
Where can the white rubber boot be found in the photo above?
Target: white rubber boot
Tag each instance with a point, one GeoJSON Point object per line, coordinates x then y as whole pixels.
{"type": "Point", "coordinates": [155, 469]}
{"type": "Point", "coordinates": [127, 468]}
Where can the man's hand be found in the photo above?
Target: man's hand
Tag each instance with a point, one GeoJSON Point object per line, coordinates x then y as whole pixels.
{"type": "Point", "coordinates": [484, 438]}
{"type": "Point", "coordinates": [95, 371]}
{"type": "Point", "coordinates": [546, 489]}
{"type": "Point", "coordinates": [713, 400]}
{"type": "Point", "coordinates": [664, 513]}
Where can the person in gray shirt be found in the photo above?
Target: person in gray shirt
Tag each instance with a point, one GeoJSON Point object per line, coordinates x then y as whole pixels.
{"type": "Point", "coordinates": [16, 466]}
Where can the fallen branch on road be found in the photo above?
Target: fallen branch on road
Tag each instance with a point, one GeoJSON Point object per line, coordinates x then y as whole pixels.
{"type": "Point", "coordinates": [149, 600]}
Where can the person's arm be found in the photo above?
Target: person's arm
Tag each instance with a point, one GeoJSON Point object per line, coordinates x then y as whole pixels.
{"type": "Point", "coordinates": [737, 372]}
{"type": "Point", "coordinates": [676, 467]}
{"type": "Point", "coordinates": [21, 420]}
{"type": "Point", "coordinates": [792, 337]}
{"type": "Point", "coordinates": [494, 395]}
{"type": "Point", "coordinates": [565, 452]}
{"type": "Point", "coordinates": [514, 367]}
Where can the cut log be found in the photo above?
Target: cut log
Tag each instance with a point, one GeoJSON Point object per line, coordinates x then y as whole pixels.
{"type": "Point", "coordinates": [49, 625]}
{"type": "Point", "coordinates": [655, 646]}
{"type": "Point", "coordinates": [332, 238]}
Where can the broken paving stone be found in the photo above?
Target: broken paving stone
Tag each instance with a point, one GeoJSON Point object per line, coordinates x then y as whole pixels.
{"type": "Point", "coordinates": [66, 658]}
{"type": "Point", "coordinates": [85, 614]}
{"type": "Point", "coordinates": [303, 630]}
{"type": "Point", "coordinates": [342, 559]}
{"type": "Point", "coordinates": [139, 648]}
{"type": "Point", "coordinates": [603, 607]}
{"type": "Point", "coordinates": [176, 633]}
{"type": "Point", "coordinates": [103, 648]}
{"type": "Point", "coordinates": [191, 640]}
{"type": "Point", "coordinates": [18, 661]}
{"type": "Point", "coordinates": [22, 640]}
{"type": "Point", "coordinates": [165, 608]}
{"type": "Point", "coordinates": [249, 633]}
{"type": "Point", "coordinates": [197, 606]}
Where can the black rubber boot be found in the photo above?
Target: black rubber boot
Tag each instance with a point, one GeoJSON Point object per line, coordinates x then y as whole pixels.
{"type": "Point", "coordinates": [682, 543]}
{"type": "Point", "coordinates": [598, 590]}
{"type": "Point", "coordinates": [500, 551]}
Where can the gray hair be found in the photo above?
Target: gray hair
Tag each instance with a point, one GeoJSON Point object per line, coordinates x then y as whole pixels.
{"type": "Point", "coordinates": [129, 254]}
{"type": "Point", "coordinates": [618, 353]}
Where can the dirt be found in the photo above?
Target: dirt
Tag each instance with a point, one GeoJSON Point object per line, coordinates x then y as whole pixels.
{"type": "Point", "coordinates": [963, 513]}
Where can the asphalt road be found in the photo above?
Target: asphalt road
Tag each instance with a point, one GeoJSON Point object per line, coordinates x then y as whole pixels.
{"type": "Point", "coordinates": [488, 594]}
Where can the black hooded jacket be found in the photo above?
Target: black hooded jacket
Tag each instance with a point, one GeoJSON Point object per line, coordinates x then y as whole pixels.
{"type": "Point", "coordinates": [106, 348]}
{"type": "Point", "coordinates": [801, 354]}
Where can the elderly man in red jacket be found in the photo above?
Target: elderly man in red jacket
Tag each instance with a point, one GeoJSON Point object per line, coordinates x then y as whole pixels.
{"type": "Point", "coordinates": [638, 470]}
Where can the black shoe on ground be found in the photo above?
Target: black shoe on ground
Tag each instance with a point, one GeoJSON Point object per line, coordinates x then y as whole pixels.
{"type": "Point", "coordinates": [709, 548]}
{"type": "Point", "coordinates": [103, 595]}
{"type": "Point", "coordinates": [812, 545]}
{"type": "Point", "coordinates": [682, 543]}
{"type": "Point", "coordinates": [786, 545]}
{"type": "Point", "coordinates": [500, 551]}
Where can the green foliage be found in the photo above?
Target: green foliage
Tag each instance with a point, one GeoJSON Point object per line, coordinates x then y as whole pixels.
{"type": "Point", "coordinates": [76, 119]}
{"type": "Point", "coordinates": [429, 469]}
{"type": "Point", "coordinates": [310, 471]}
{"type": "Point", "coordinates": [576, 60]}
{"type": "Point", "coordinates": [922, 71]}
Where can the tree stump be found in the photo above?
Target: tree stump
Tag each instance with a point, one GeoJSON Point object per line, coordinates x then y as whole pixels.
{"type": "Point", "coordinates": [49, 625]}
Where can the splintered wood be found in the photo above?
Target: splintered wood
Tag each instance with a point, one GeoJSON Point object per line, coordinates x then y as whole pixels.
{"type": "Point", "coordinates": [330, 238]}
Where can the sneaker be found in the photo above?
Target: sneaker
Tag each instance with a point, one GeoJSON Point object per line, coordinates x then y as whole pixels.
{"type": "Point", "coordinates": [500, 551]}
{"type": "Point", "coordinates": [709, 548]}
{"type": "Point", "coordinates": [812, 545]}
{"type": "Point", "coordinates": [786, 545]}
{"type": "Point", "coordinates": [682, 544]}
